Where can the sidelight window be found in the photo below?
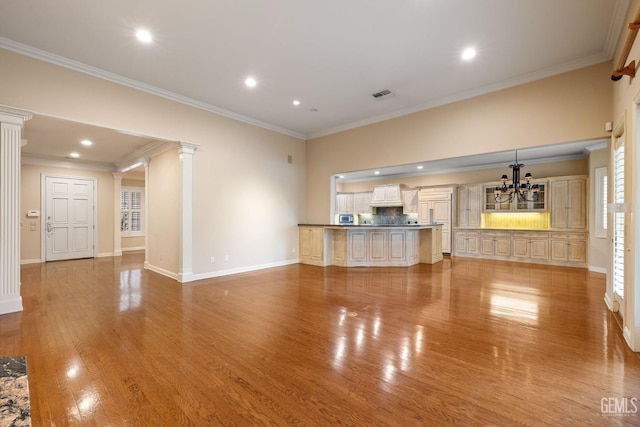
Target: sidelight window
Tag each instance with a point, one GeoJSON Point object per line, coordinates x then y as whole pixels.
{"type": "Point", "coordinates": [131, 211]}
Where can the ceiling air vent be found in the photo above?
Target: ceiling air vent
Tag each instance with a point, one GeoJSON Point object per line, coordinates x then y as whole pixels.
{"type": "Point", "coordinates": [386, 93]}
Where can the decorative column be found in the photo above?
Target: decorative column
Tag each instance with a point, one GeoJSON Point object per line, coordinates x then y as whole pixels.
{"type": "Point", "coordinates": [11, 122]}
{"type": "Point", "coordinates": [117, 233]}
{"type": "Point", "coordinates": [185, 263]}
{"type": "Point", "coordinates": [146, 212]}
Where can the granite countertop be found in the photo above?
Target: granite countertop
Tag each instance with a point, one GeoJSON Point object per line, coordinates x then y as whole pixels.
{"type": "Point", "coordinates": [15, 409]}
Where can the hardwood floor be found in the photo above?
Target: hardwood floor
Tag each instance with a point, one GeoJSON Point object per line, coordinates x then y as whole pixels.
{"type": "Point", "coordinates": [466, 342]}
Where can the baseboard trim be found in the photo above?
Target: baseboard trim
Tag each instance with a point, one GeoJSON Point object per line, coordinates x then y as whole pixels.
{"type": "Point", "coordinates": [105, 255]}
{"type": "Point", "coordinates": [212, 274]}
{"type": "Point", "coordinates": [162, 271]}
{"type": "Point", "coordinates": [13, 305]}
{"type": "Point", "coordinates": [595, 269]}
{"type": "Point", "coordinates": [137, 248]}
{"type": "Point", "coordinates": [608, 302]}
{"type": "Point", "coordinates": [30, 261]}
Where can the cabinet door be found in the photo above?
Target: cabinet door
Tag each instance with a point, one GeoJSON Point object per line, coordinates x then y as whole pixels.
{"type": "Point", "coordinates": [344, 203]}
{"type": "Point", "coordinates": [559, 250]}
{"type": "Point", "coordinates": [577, 212]}
{"type": "Point", "coordinates": [503, 246]}
{"type": "Point", "coordinates": [540, 249]}
{"type": "Point", "coordinates": [577, 251]}
{"type": "Point", "coordinates": [487, 245]}
{"type": "Point", "coordinates": [362, 203]}
{"type": "Point", "coordinates": [521, 247]}
{"type": "Point", "coordinates": [475, 206]}
{"type": "Point", "coordinates": [397, 245]}
{"type": "Point", "coordinates": [378, 246]}
{"type": "Point", "coordinates": [463, 206]}
{"type": "Point", "coordinates": [410, 201]}
{"type": "Point", "coordinates": [357, 250]}
{"type": "Point", "coordinates": [461, 243]}
{"type": "Point", "coordinates": [473, 244]}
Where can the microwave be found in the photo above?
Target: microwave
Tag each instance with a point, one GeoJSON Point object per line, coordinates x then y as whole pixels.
{"type": "Point", "coordinates": [345, 219]}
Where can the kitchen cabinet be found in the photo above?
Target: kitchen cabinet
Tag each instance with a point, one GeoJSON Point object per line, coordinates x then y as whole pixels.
{"type": "Point", "coordinates": [568, 208]}
{"type": "Point", "coordinates": [503, 205]}
{"type": "Point", "coordinates": [362, 203]}
{"type": "Point", "coordinates": [344, 203]}
{"type": "Point", "coordinates": [387, 195]}
{"type": "Point", "coordinates": [533, 247]}
{"type": "Point", "coordinates": [312, 245]}
{"type": "Point", "coordinates": [467, 243]}
{"type": "Point", "coordinates": [388, 248]}
{"type": "Point", "coordinates": [469, 200]}
{"type": "Point", "coordinates": [437, 201]}
{"type": "Point", "coordinates": [569, 248]}
{"type": "Point", "coordinates": [496, 244]}
{"type": "Point", "coordinates": [410, 201]}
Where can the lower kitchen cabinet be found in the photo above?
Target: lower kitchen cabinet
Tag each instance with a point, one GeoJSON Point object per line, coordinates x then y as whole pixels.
{"type": "Point", "coordinates": [557, 248]}
{"type": "Point", "coordinates": [312, 245]}
{"type": "Point", "coordinates": [467, 243]}
{"type": "Point", "coordinates": [495, 244]}
{"type": "Point", "coordinates": [569, 247]}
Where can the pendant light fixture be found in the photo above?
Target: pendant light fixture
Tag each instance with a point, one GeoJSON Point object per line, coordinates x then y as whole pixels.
{"type": "Point", "coordinates": [515, 190]}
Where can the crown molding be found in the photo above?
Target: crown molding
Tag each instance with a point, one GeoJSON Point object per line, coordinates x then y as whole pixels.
{"type": "Point", "coordinates": [143, 154]}
{"type": "Point", "coordinates": [56, 162]}
{"type": "Point", "coordinates": [124, 81]}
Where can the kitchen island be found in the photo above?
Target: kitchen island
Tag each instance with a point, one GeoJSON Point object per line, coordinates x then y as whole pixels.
{"type": "Point", "coordinates": [370, 245]}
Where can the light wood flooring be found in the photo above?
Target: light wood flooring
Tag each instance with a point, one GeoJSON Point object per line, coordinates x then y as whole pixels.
{"type": "Point", "coordinates": [463, 342]}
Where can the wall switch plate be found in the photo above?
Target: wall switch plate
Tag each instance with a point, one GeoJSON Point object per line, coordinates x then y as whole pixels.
{"type": "Point", "coordinates": [212, 260]}
{"type": "Point", "coordinates": [226, 257]}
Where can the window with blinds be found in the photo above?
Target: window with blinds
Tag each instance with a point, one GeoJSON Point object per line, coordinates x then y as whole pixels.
{"type": "Point", "coordinates": [618, 219]}
{"type": "Point", "coordinates": [131, 211]}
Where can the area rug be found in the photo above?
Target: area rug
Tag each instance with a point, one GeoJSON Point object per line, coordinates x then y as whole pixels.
{"type": "Point", "coordinates": [14, 392]}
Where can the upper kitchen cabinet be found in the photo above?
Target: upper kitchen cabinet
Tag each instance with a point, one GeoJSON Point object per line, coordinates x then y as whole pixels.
{"type": "Point", "coordinates": [469, 205]}
{"type": "Point", "coordinates": [345, 203]}
{"type": "Point", "coordinates": [387, 195]}
{"type": "Point", "coordinates": [410, 201]}
{"type": "Point", "coordinates": [532, 202]}
{"type": "Point", "coordinates": [362, 203]}
{"type": "Point", "coordinates": [568, 207]}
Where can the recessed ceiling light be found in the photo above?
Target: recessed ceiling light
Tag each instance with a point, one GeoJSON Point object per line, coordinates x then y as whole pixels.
{"type": "Point", "coordinates": [420, 167]}
{"type": "Point", "coordinates": [377, 172]}
{"type": "Point", "coordinates": [86, 142]}
{"type": "Point", "coordinates": [144, 36]}
{"type": "Point", "coordinates": [74, 155]}
{"type": "Point", "coordinates": [469, 53]}
{"type": "Point", "coordinates": [296, 102]}
{"type": "Point", "coordinates": [250, 82]}
{"type": "Point", "coordinates": [341, 176]}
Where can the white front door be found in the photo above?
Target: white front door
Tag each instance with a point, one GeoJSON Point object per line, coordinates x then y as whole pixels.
{"type": "Point", "coordinates": [69, 218]}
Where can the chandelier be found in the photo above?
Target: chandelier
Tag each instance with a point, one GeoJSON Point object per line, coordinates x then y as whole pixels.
{"type": "Point", "coordinates": [523, 192]}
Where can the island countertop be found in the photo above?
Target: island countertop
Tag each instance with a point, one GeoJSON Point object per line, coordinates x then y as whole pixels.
{"type": "Point", "coordinates": [370, 245]}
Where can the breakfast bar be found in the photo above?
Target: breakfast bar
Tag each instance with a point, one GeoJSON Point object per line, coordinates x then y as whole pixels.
{"type": "Point", "coordinates": [370, 245]}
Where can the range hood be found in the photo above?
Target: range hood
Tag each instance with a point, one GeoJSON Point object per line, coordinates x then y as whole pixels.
{"type": "Point", "coordinates": [387, 195]}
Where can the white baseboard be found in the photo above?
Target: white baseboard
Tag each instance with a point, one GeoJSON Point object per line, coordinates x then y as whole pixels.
{"type": "Point", "coordinates": [12, 305]}
{"type": "Point", "coordinates": [230, 271]}
{"type": "Point", "coordinates": [137, 248]}
{"type": "Point", "coordinates": [105, 255]}
{"type": "Point", "coordinates": [608, 302]}
{"type": "Point", "coordinates": [160, 270]}
{"type": "Point", "coordinates": [30, 261]}
{"type": "Point", "coordinates": [595, 269]}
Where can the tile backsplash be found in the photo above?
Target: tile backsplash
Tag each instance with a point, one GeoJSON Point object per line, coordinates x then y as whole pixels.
{"type": "Point", "coordinates": [388, 215]}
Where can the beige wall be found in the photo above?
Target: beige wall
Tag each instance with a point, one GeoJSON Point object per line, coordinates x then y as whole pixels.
{"type": "Point", "coordinates": [539, 170]}
{"type": "Point", "coordinates": [568, 107]}
{"type": "Point", "coordinates": [30, 194]}
{"type": "Point", "coordinates": [599, 248]}
{"type": "Point", "coordinates": [164, 211]}
{"type": "Point", "coordinates": [247, 199]}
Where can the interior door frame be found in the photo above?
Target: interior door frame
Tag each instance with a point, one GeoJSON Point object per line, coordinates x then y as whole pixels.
{"type": "Point", "coordinates": [43, 207]}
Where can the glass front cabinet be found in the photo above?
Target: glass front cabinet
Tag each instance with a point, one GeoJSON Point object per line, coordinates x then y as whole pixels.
{"type": "Point", "coordinates": [529, 202]}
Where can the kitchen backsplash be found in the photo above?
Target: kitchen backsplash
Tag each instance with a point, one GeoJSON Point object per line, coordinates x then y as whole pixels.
{"type": "Point", "coordinates": [387, 218]}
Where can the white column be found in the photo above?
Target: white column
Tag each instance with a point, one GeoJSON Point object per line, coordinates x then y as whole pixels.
{"type": "Point", "coordinates": [11, 122]}
{"type": "Point", "coordinates": [117, 234]}
{"type": "Point", "coordinates": [146, 212]}
{"type": "Point", "coordinates": [185, 266]}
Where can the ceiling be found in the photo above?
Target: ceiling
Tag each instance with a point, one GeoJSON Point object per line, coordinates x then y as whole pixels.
{"type": "Point", "coordinates": [330, 55]}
